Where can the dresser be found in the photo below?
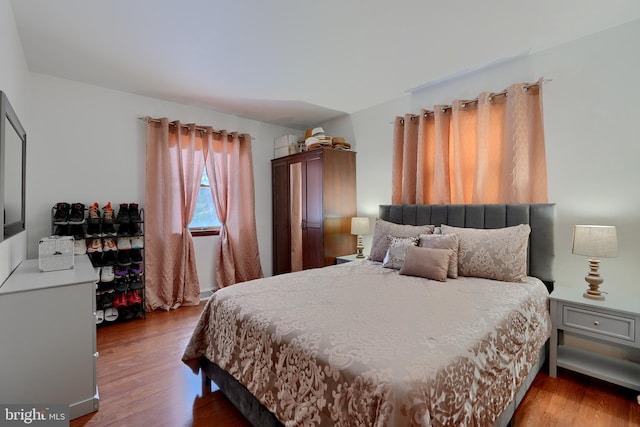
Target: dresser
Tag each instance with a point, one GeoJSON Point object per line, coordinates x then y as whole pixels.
{"type": "Point", "coordinates": [314, 199]}
{"type": "Point", "coordinates": [48, 337]}
{"type": "Point", "coordinates": [614, 322]}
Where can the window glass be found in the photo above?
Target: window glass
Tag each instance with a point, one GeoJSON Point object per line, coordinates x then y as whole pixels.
{"type": "Point", "coordinates": [204, 216]}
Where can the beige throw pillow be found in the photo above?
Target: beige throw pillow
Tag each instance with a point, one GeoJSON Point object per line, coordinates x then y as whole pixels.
{"type": "Point", "coordinates": [427, 262]}
{"type": "Point", "coordinates": [383, 229]}
{"type": "Point", "coordinates": [443, 241]}
{"type": "Point", "coordinates": [499, 254]}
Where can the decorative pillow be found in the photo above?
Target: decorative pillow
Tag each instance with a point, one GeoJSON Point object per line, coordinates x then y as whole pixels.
{"type": "Point", "coordinates": [427, 262]}
{"type": "Point", "coordinates": [397, 249]}
{"type": "Point", "coordinates": [382, 229]}
{"type": "Point", "coordinates": [443, 241]}
{"type": "Point", "coordinates": [499, 254]}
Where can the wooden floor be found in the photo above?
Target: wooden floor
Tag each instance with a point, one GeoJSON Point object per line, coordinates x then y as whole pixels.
{"type": "Point", "coordinates": [142, 381]}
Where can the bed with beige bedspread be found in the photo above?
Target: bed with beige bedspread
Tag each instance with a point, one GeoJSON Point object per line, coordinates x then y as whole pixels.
{"type": "Point", "coordinates": [359, 344]}
{"type": "Point", "coordinates": [444, 325]}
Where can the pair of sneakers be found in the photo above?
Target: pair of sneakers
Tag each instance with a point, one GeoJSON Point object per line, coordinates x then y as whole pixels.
{"type": "Point", "coordinates": [95, 217]}
{"type": "Point", "coordinates": [126, 299]}
{"type": "Point", "coordinates": [128, 213]}
{"type": "Point", "coordinates": [103, 258]}
{"type": "Point", "coordinates": [110, 315]}
{"type": "Point", "coordinates": [101, 230]}
{"type": "Point", "coordinates": [68, 213]}
{"type": "Point", "coordinates": [126, 243]}
{"type": "Point", "coordinates": [102, 245]}
{"type": "Point", "coordinates": [134, 269]}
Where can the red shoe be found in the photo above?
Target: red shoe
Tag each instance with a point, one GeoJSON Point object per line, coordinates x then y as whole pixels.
{"type": "Point", "coordinates": [120, 300]}
{"type": "Point", "coordinates": [134, 298]}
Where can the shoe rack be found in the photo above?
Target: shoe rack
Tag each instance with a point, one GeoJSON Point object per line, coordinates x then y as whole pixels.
{"type": "Point", "coordinates": [115, 246]}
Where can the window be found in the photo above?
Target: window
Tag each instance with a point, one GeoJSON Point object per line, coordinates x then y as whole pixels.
{"type": "Point", "coordinates": [205, 221]}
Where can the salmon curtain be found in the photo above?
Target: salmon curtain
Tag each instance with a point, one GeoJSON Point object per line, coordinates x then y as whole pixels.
{"type": "Point", "coordinates": [487, 150]}
{"type": "Point", "coordinates": [229, 166]}
{"type": "Point", "coordinates": [174, 167]}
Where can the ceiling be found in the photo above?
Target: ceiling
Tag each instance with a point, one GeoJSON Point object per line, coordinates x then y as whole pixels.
{"type": "Point", "coordinates": [294, 63]}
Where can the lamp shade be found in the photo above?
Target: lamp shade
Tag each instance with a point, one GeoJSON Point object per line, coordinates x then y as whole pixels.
{"type": "Point", "coordinates": [359, 226]}
{"type": "Point", "coordinates": [598, 241]}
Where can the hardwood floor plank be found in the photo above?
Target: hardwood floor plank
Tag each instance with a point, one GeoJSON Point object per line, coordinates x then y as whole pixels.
{"type": "Point", "coordinates": [142, 381]}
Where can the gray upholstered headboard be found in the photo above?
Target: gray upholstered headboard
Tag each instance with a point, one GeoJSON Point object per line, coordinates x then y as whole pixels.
{"type": "Point", "coordinates": [539, 216]}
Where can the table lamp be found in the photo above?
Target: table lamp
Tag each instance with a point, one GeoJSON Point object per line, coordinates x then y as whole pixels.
{"type": "Point", "coordinates": [595, 241]}
{"type": "Point", "coordinates": [359, 226]}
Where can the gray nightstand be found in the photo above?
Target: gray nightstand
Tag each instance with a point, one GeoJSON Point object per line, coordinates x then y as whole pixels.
{"type": "Point", "coordinates": [347, 258]}
{"type": "Point", "coordinates": [614, 321]}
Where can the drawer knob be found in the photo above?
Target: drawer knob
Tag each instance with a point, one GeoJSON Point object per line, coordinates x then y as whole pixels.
{"type": "Point", "coordinates": [596, 323]}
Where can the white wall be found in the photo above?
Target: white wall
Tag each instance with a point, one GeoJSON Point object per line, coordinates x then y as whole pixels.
{"type": "Point", "coordinates": [87, 145]}
{"type": "Point", "coordinates": [13, 82]}
{"type": "Point", "coordinates": [592, 138]}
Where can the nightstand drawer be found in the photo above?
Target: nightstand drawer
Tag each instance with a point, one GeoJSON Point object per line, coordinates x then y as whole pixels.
{"type": "Point", "coordinates": [600, 323]}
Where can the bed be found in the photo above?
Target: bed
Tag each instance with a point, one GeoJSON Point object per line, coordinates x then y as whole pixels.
{"type": "Point", "coordinates": [362, 344]}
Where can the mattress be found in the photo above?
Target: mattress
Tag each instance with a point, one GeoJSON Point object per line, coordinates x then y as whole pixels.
{"type": "Point", "coordinates": [359, 344]}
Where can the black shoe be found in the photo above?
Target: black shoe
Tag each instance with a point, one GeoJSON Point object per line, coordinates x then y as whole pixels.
{"type": "Point", "coordinates": [108, 229]}
{"type": "Point", "coordinates": [61, 214]}
{"type": "Point", "coordinates": [124, 230]}
{"type": "Point", "coordinates": [77, 232]}
{"type": "Point", "coordinates": [107, 298]}
{"type": "Point", "coordinates": [61, 230]}
{"type": "Point", "coordinates": [96, 258]}
{"type": "Point", "coordinates": [121, 284]}
{"type": "Point", "coordinates": [134, 213]}
{"type": "Point", "coordinates": [110, 258]}
{"type": "Point", "coordinates": [124, 258]}
{"type": "Point", "coordinates": [136, 269]}
{"type": "Point", "coordinates": [123, 214]}
{"type": "Point", "coordinates": [104, 287]}
{"type": "Point", "coordinates": [136, 283]}
{"type": "Point", "coordinates": [135, 229]}
{"type": "Point", "coordinates": [76, 214]}
{"type": "Point", "coordinates": [93, 230]}
{"type": "Point", "coordinates": [136, 255]}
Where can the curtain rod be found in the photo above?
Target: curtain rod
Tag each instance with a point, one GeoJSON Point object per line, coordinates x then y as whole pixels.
{"type": "Point", "coordinates": [184, 125]}
{"type": "Point", "coordinates": [463, 104]}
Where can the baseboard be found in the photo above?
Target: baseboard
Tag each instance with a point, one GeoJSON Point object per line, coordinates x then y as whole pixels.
{"type": "Point", "coordinates": [205, 295]}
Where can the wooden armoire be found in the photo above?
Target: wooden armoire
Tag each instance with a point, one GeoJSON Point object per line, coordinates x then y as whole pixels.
{"type": "Point", "coordinates": [314, 199]}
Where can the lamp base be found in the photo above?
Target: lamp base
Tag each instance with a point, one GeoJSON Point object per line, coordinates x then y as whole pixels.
{"type": "Point", "coordinates": [598, 296]}
{"type": "Point", "coordinates": [359, 247]}
{"type": "Point", "coordinates": [594, 280]}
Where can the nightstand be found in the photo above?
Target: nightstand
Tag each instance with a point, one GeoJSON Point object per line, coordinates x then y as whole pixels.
{"type": "Point", "coordinates": [347, 258]}
{"type": "Point", "coordinates": [614, 321]}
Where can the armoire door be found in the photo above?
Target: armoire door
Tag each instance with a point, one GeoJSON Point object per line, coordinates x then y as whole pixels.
{"type": "Point", "coordinates": [312, 214]}
{"type": "Point", "coordinates": [281, 219]}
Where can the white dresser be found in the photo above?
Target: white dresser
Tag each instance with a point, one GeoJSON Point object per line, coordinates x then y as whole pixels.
{"type": "Point", "coordinates": [48, 337]}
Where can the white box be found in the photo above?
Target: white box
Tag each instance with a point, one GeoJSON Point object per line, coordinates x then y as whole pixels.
{"type": "Point", "coordinates": [55, 253]}
{"type": "Point", "coordinates": [285, 141]}
{"type": "Point", "coordinates": [280, 152]}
